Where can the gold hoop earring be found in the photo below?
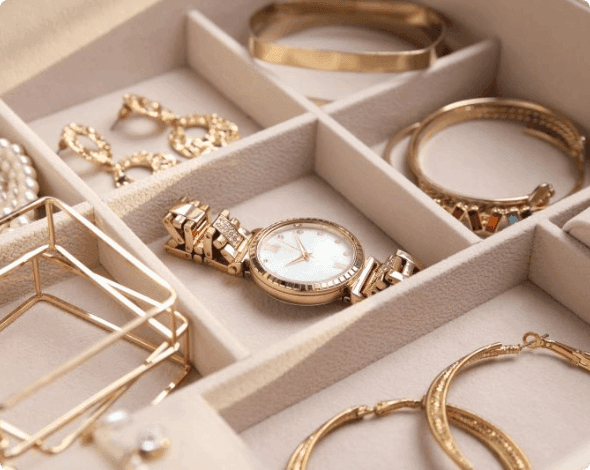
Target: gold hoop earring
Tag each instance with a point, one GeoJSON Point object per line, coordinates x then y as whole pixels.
{"type": "Point", "coordinates": [503, 447]}
{"type": "Point", "coordinates": [103, 156]}
{"type": "Point", "coordinates": [434, 401]}
{"type": "Point", "coordinates": [220, 132]}
{"type": "Point", "coordinates": [136, 104]}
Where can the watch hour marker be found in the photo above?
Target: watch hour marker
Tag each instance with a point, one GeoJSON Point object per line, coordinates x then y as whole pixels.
{"type": "Point", "coordinates": [272, 248]}
{"type": "Point", "coordinates": [337, 241]}
{"type": "Point", "coordinates": [320, 234]}
{"type": "Point", "coordinates": [340, 265]}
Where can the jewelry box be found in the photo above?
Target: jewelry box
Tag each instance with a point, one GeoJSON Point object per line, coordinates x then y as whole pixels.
{"type": "Point", "coordinates": [270, 373]}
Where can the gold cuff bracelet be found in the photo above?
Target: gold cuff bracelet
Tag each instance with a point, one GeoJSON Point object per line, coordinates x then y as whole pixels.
{"type": "Point", "coordinates": [416, 24]}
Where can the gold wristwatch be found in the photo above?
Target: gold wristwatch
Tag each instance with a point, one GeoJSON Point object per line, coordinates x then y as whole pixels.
{"type": "Point", "coordinates": [301, 261]}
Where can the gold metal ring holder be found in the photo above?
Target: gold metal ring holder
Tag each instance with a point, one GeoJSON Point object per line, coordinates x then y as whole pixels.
{"type": "Point", "coordinates": [486, 216]}
{"type": "Point", "coordinates": [414, 23]}
{"type": "Point", "coordinates": [168, 338]}
{"type": "Point", "coordinates": [503, 447]}
{"type": "Point", "coordinates": [435, 399]}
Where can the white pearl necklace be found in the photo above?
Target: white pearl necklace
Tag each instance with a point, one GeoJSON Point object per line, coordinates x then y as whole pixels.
{"type": "Point", "coordinates": [18, 182]}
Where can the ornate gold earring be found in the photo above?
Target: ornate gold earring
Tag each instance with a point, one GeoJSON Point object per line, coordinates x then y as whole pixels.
{"type": "Point", "coordinates": [434, 401]}
{"type": "Point", "coordinates": [220, 132]}
{"type": "Point", "coordinates": [136, 104]}
{"type": "Point", "coordinates": [504, 448]}
{"type": "Point", "coordinates": [103, 156]}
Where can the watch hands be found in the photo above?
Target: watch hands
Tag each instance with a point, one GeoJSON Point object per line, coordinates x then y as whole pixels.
{"type": "Point", "coordinates": [289, 246]}
{"type": "Point", "coordinates": [306, 254]}
{"type": "Point", "coordinates": [296, 260]}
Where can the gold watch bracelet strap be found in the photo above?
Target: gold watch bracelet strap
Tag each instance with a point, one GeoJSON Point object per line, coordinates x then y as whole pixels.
{"type": "Point", "coordinates": [501, 444]}
{"type": "Point", "coordinates": [414, 23]}
{"type": "Point", "coordinates": [223, 243]}
{"type": "Point", "coordinates": [485, 216]}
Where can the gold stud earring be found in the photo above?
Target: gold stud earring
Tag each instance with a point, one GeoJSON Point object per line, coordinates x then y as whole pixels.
{"type": "Point", "coordinates": [136, 104]}
{"type": "Point", "coordinates": [220, 132]}
{"type": "Point", "coordinates": [102, 156]}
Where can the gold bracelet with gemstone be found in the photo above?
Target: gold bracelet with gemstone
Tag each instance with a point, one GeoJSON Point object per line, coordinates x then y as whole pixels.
{"type": "Point", "coordinates": [487, 216]}
{"type": "Point", "coordinates": [414, 23]}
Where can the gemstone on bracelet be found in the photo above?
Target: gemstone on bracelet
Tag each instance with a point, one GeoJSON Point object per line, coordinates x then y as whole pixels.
{"type": "Point", "coordinates": [526, 212]}
{"type": "Point", "coordinates": [513, 217]}
{"type": "Point", "coordinates": [474, 219]}
{"type": "Point", "coordinates": [458, 212]}
{"type": "Point", "coordinates": [493, 221]}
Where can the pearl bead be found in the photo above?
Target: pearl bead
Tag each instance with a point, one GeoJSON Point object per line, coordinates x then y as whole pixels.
{"type": "Point", "coordinates": [18, 183]}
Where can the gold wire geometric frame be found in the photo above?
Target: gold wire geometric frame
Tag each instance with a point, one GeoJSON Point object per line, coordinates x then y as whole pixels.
{"type": "Point", "coordinates": [175, 345]}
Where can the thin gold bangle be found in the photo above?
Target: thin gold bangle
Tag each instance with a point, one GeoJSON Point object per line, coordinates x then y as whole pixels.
{"type": "Point", "coordinates": [503, 447]}
{"type": "Point", "coordinates": [414, 23]}
{"type": "Point", "coordinates": [486, 216]}
{"type": "Point", "coordinates": [434, 401]}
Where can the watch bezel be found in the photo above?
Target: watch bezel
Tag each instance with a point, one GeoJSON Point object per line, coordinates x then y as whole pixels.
{"type": "Point", "coordinates": [315, 293]}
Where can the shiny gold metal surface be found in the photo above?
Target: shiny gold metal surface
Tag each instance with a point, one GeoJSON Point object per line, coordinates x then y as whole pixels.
{"type": "Point", "coordinates": [224, 244]}
{"type": "Point", "coordinates": [435, 399]}
{"type": "Point", "coordinates": [502, 445]}
{"type": "Point", "coordinates": [156, 311]}
{"type": "Point", "coordinates": [487, 216]}
{"type": "Point", "coordinates": [414, 23]}
{"type": "Point", "coordinates": [102, 156]}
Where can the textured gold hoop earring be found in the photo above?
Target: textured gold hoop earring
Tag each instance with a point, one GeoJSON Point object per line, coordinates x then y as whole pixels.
{"type": "Point", "coordinates": [136, 104]}
{"type": "Point", "coordinates": [103, 156]}
{"type": "Point", "coordinates": [435, 399]}
{"type": "Point", "coordinates": [503, 447]}
{"type": "Point", "coordinates": [220, 132]}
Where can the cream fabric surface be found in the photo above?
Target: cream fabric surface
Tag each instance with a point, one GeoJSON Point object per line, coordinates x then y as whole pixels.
{"type": "Point", "coordinates": [36, 34]}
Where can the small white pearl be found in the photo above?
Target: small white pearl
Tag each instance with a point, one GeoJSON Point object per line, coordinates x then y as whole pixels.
{"type": "Point", "coordinates": [32, 185]}
{"type": "Point", "coordinates": [30, 196]}
{"type": "Point", "coordinates": [25, 160]}
{"type": "Point", "coordinates": [29, 171]}
{"type": "Point", "coordinates": [16, 149]}
{"type": "Point", "coordinates": [18, 184]}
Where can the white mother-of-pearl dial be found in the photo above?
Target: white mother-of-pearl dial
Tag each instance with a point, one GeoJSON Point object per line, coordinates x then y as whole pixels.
{"type": "Point", "coordinates": [307, 252]}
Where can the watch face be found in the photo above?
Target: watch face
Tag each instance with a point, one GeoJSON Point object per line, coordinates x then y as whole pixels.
{"type": "Point", "coordinates": [307, 261]}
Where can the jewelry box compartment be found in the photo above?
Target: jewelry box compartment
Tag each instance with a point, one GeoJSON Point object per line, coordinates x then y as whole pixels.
{"type": "Point", "coordinates": [492, 292]}
{"type": "Point", "coordinates": [185, 66]}
{"type": "Point", "coordinates": [497, 292]}
{"type": "Point", "coordinates": [481, 158]}
{"type": "Point", "coordinates": [58, 305]}
{"type": "Point", "coordinates": [306, 167]}
{"type": "Point", "coordinates": [320, 85]}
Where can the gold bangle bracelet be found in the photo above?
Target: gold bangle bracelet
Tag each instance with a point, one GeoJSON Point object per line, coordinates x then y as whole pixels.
{"type": "Point", "coordinates": [502, 446]}
{"type": "Point", "coordinates": [434, 401]}
{"type": "Point", "coordinates": [416, 24]}
{"type": "Point", "coordinates": [486, 216]}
